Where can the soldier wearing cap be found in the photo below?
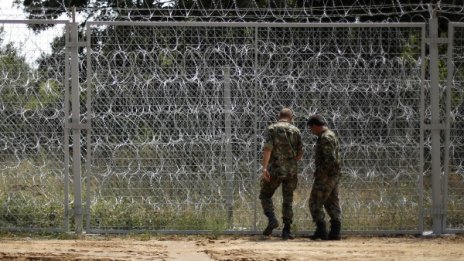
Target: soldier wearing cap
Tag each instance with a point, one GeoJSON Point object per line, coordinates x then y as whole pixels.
{"type": "Point", "coordinates": [324, 193]}
{"type": "Point", "coordinates": [282, 149]}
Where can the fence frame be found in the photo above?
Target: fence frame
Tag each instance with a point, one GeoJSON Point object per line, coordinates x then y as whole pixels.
{"type": "Point", "coordinates": [256, 25]}
{"type": "Point", "coordinates": [71, 83]}
{"type": "Point", "coordinates": [449, 84]}
{"type": "Point", "coordinates": [66, 162]}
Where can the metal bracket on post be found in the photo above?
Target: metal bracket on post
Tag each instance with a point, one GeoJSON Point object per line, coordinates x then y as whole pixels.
{"type": "Point", "coordinates": [438, 40]}
{"type": "Point", "coordinates": [435, 126]}
{"type": "Point", "coordinates": [78, 44]}
{"type": "Point", "coordinates": [77, 126]}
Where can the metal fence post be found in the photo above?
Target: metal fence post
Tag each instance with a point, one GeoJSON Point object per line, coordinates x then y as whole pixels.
{"type": "Point", "coordinates": [437, 195]}
{"type": "Point", "coordinates": [228, 146]}
{"type": "Point", "coordinates": [76, 132]}
{"type": "Point", "coordinates": [89, 130]}
{"type": "Point", "coordinates": [446, 164]}
{"type": "Point", "coordinates": [255, 126]}
{"type": "Point", "coordinates": [422, 130]}
{"type": "Point", "coordinates": [66, 133]}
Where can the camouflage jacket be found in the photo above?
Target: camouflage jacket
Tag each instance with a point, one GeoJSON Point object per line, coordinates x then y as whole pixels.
{"type": "Point", "coordinates": [327, 156]}
{"type": "Point", "coordinates": [284, 139]}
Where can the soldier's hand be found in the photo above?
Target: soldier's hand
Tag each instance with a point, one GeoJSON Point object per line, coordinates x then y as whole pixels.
{"type": "Point", "coordinates": [266, 176]}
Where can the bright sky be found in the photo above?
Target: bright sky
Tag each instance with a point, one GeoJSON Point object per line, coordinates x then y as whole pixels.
{"type": "Point", "coordinates": [31, 44]}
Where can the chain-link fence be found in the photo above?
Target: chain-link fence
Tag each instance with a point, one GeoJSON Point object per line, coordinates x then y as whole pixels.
{"type": "Point", "coordinates": [455, 184]}
{"type": "Point", "coordinates": [179, 111]}
{"type": "Point", "coordinates": [33, 180]}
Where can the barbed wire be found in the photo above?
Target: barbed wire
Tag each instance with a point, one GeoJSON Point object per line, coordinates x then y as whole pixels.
{"type": "Point", "coordinates": [275, 11]}
{"type": "Point", "coordinates": [159, 110]}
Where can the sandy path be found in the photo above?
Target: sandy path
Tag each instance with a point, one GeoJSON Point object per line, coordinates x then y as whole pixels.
{"type": "Point", "coordinates": [255, 248]}
{"type": "Point", "coordinates": [185, 250]}
{"type": "Point", "coordinates": [114, 249]}
{"type": "Point", "coordinates": [352, 248]}
{"type": "Point", "coordinates": [103, 249]}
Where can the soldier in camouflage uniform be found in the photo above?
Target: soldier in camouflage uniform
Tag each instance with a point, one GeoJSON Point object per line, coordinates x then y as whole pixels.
{"type": "Point", "coordinates": [282, 149]}
{"type": "Point", "coordinates": [324, 193]}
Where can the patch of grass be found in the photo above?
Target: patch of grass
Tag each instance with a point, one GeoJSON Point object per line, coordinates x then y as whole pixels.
{"type": "Point", "coordinates": [32, 197]}
{"type": "Point", "coordinates": [145, 237]}
{"type": "Point", "coordinates": [126, 214]}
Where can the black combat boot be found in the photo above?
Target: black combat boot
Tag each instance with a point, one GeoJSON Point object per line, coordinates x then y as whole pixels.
{"type": "Point", "coordinates": [321, 231]}
{"type": "Point", "coordinates": [335, 230]}
{"type": "Point", "coordinates": [272, 223]}
{"type": "Point", "coordinates": [286, 234]}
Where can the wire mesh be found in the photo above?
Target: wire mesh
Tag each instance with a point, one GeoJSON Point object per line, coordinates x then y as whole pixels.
{"type": "Point", "coordinates": [32, 171]}
{"type": "Point", "coordinates": [366, 82]}
{"type": "Point", "coordinates": [158, 127]}
{"type": "Point", "coordinates": [160, 147]}
{"type": "Point", "coordinates": [455, 188]}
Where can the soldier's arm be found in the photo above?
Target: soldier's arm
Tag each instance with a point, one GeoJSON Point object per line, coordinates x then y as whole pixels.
{"type": "Point", "coordinates": [267, 152]}
{"type": "Point", "coordinates": [266, 157]}
{"type": "Point", "coordinates": [299, 148]}
{"type": "Point", "coordinates": [328, 155]}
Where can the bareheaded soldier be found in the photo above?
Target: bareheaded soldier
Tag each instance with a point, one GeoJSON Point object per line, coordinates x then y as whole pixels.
{"type": "Point", "coordinates": [324, 193]}
{"type": "Point", "coordinates": [282, 149]}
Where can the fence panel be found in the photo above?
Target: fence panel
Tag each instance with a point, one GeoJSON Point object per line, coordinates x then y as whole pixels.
{"type": "Point", "coordinates": [455, 178]}
{"type": "Point", "coordinates": [33, 178]}
{"type": "Point", "coordinates": [159, 142]}
{"type": "Point", "coordinates": [367, 82]}
{"type": "Point", "coordinates": [162, 155]}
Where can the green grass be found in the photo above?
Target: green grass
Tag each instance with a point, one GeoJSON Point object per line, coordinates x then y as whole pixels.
{"type": "Point", "coordinates": [126, 214]}
{"type": "Point", "coordinates": [30, 198]}
{"type": "Point", "coordinates": [33, 198]}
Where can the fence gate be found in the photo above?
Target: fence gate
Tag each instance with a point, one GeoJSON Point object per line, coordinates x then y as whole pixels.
{"type": "Point", "coordinates": [454, 139]}
{"type": "Point", "coordinates": [33, 138]}
{"type": "Point", "coordinates": [179, 110]}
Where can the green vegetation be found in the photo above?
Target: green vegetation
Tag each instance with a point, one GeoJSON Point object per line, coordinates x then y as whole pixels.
{"type": "Point", "coordinates": [31, 187]}
{"type": "Point", "coordinates": [30, 198]}
{"type": "Point", "coordinates": [132, 214]}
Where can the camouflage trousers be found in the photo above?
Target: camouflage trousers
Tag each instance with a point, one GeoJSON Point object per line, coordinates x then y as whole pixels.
{"type": "Point", "coordinates": [289, 185]}
{"type": "Point", "coordinates": [324, 194]}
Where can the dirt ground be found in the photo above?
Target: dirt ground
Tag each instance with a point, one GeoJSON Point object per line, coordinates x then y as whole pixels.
{"type": "Point", "coordinates": [198, 248]}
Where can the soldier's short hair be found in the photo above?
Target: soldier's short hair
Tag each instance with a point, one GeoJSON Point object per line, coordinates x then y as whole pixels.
{"type": "Point", "coordinates": [285, 113]}
{"type": "Point", "coordinates": [316, 120]}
